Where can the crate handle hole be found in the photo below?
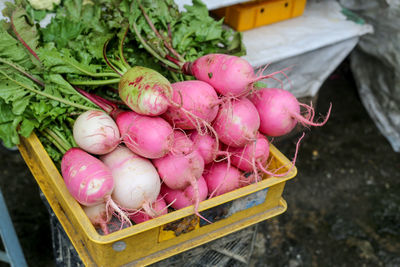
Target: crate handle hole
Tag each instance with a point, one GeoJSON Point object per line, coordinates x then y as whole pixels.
{"type": "Point", "coordinates": [262, 10]}
{"type": "Point", "coordinates": [286, 4]}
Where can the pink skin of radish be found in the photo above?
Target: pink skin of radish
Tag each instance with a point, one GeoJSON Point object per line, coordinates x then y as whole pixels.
{"type": "Point", "coordinates": [137, 183]}
{"type": "Point", "coordinates": [206, 145]}
{"type": "Point", "coordinates": [89, 180]}
{"type": "Point", "coordinates": [179, 199]}
{"type": "Point", "coordinates": [182, 166]}
{"type": "Point", "coordinates": [237, 122]}
{"type": "Point", "coordinates": [248, 157]}
{"type": "Point", "coordinates": [279, 111]}
{"type": "Point", "coordinates": [98, 216]}
{"type": "Point", "coordinates": [222, 178]}
{"type": "Point", "coordinates": [149, 137]}
{"type": "Point", "coordinates": [96, 132]}
{"type": "Point", "coordinates": [159, 207]}
{"type": "Point", "coordinates": [230, 75]}
{"type": "Point", "coordinates": [197, 97]}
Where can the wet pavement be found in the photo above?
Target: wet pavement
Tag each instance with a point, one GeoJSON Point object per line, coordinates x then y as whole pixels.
{"type": "Point", "coordinates": [343, 206]}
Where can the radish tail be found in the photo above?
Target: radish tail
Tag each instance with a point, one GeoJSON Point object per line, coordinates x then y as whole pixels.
{"type": "Point", "coordinates": [104, 228]}
{"type": "Point", "coordinates": [195, 185]}
{"type": "Point", "coordinates": [149, 209]}
{"type": "Point", "coordinates": [120, 213]}
{"type": "Point", "coordinates": [262, 168]}
{"type": "Point", "coordinates": [305, 121]}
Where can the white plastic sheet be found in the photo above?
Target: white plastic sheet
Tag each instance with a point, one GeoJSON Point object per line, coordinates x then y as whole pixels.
{"type": "Point", "coordinates": [309, 70]}
{"type": "Point", "coordinates": [376, 64]}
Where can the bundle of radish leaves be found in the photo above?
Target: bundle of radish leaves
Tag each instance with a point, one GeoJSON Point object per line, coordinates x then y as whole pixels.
{"type": "Point", "coordinates": [162, 109]}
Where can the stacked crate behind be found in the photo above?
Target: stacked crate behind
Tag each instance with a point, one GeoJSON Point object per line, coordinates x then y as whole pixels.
{"type": "Point", "coordinates": [232, 250]}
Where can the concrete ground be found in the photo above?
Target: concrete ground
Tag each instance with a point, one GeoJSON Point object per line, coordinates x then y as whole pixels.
{"type": "Point", "coordinates": [343, 206]}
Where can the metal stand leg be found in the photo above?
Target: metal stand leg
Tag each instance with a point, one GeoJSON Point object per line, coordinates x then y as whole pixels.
{"type": "Point", "coordinates": [13, 253]}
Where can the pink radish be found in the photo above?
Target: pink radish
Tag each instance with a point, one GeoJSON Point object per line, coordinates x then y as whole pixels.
{"type": "Point", "coordinates": [251, 155]}
{"type": "Point", "coordinates": [197, 97]}
{"type": "Point", "coordinates": [280, 111]}
{"type": "Point", "coordinates": [89, 180]}
{"type": "Point", "coordinates": [159, 207]}
{"type": "Point", "coordinates": [183, 198]}
{"type": "Point", "coordinates": [98, 216]}
{"type": "Point", "coordinates": [182, 167]}
{"type": "Point", "coordinates": [222, 178]}
{"type": "Point", "coordinates": [237, 122]}
{"type": "Point", "coordinates": [137, 183]}
{"type": "Point", "coordinates": [206, 145]}
{"type": "Point", "coordinates": [230, 75]}
{"type": "Point", "coordinates": [149, 137]}
{"type": "Point", "coordinates": [96, 132]}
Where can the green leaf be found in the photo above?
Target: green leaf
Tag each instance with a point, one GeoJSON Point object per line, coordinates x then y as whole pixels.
{"type": "Point", "coordinates": [25, 30]}
{"type": "Point", "coordinates": [27, 127]}
{"type": "Point", "coordinates": [8, 125]}
{"type": "Point", "coordinates": [61, 31]}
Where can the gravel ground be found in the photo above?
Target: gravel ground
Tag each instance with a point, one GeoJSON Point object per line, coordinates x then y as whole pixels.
{"type": "Point", "coordinates": [343, 206]}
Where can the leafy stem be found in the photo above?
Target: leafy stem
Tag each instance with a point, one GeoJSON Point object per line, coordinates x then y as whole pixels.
{"type": "Point", "coordinates": [59, 139]}
{"type": "Point", "coordinates": [108, 62]}
{"type": "Point", "coordinates": [93, 74]}
{"type": "Point", "coordinates": [24, 72]}
{"type": "Point", "coordinates": [38, 92]}
{"type": "Point", "coordinates": [161, 37]}
{"type": "Point", "coordinates": [121, 48]}
{"type": "Point", "coordinates": [94, 82]}
{"type": "Point", "coordinates": [152, 52]}
{"type": "Point", "coordinates": [20, 38]}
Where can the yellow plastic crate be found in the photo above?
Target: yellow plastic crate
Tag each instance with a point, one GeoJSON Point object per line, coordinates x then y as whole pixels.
{"type": "Point", "coordinates": [246, 16]}
{"type": "Point", "coordinates": [152, 241]}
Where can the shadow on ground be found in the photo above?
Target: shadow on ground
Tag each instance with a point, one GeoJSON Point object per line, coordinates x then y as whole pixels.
{"type": "Point", "coordinates": [343, 206]}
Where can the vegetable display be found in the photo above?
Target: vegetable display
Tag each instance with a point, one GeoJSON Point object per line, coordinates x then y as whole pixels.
{"type": "Point", "coordinates": [144, 108]}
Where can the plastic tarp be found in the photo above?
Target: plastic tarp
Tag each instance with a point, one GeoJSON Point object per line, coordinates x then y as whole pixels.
{"type": "Point", "coordinates": [375, 63]}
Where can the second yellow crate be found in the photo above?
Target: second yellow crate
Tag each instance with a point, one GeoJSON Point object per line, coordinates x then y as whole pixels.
{"type": "Point", "coordinates": [246, 16]}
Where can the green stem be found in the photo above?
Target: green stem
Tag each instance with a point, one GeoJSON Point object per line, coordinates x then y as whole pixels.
{"type": "Point", "coordinates": [121, 49]}
{"type": "Point", "coordinates": [173, 74]}
{"type": "Point", "coordinates": [64, 140]}
{"type": "Point", "coordinates": [152, 52]}
{"type": "Point", "coordinates": [122, 67]}
{"type": "Point", "coordinates": [58, 138]}
{"type": "Point", "coordinates": [24, 72]}
{"type": "Point", "coordinates": [100, 74]}
{"type": "Point", "coordinates": [61, 100]}
{"type": "Point", "coordinates": [53, 141]}
{"type": "Point", "coordinates": [95, 82]}
{"type": "Point", "coordinates": [167, 44]}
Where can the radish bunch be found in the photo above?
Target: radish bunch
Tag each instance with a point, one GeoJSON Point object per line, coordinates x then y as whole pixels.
{"type": "Point", "coordinates": [210, 134]}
